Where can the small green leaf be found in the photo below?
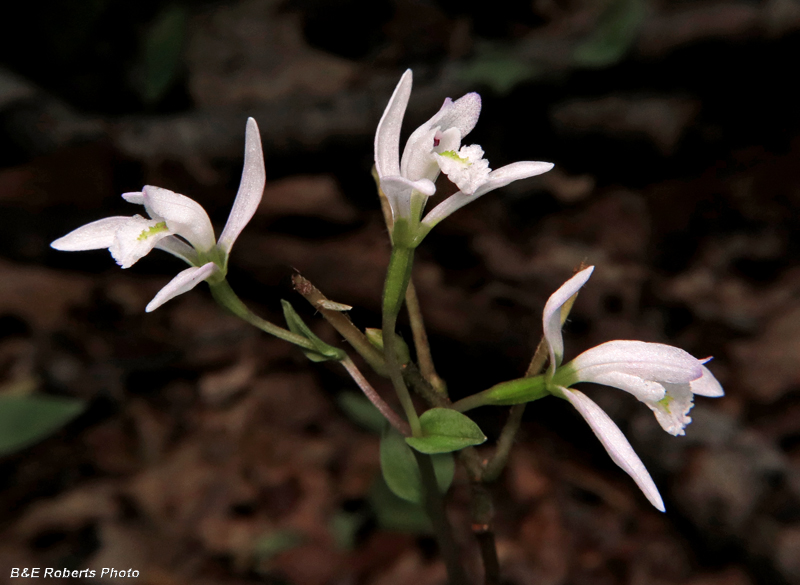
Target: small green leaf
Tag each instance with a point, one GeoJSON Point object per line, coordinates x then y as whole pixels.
{"type": "Point", "coordinates": [501, 68]}
{"type": "Point", "coordinates": [615, 33]}
{"type": "Point", "coordinates": [274, 543]}
{"type": "Point", "coordinates": [324, 352]}
{"type": "Point", "coordinates": [25, 420]}
{"type": "Point", "coordinates": [400, 470]}
{"type": "Point", "coordinates": [394, 513]}
{"type": "Point", "coordinates": [360, 410]}
{"type": "Point", "coordinates": [445, 430]}
{"type": "Point", "coordinates": [161, 53]}
{"type": "Point", "coordinates": [344, 527]}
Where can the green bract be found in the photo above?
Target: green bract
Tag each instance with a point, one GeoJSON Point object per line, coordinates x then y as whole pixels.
{"type": "Point", "coordinates": [323, 352]}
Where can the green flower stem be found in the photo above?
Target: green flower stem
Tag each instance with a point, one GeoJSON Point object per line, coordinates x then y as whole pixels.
{"type": "Point", "coordinates": [421, 344]}
{"type": "Point", "coordinates": [495, 465]}
{"type": "Point", "coordinates": [224, 295]}
{"type": "Point", "coordinates": [386, 410]}
{"type": "Point", "coordinates": [517, 391]}
{"type": "Point", "coordinates": [397, 278]}
{"type": "Point", "coordinates": [342, 323]}
{"type": "Point", "coordinates": [434, 506]}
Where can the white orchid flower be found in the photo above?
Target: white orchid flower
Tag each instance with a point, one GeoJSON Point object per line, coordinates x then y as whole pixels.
{"type": "Point", "coordinates": [432, 148]}
{"type": "Point", "coordinates": [178, 225]}
{"type": "Point", "coordinates": [665, 378]}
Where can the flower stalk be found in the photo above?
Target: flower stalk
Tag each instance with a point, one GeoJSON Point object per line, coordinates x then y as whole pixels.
{"type": "Point", "coordinates": [225, 296]}
{"type": "Point", "coordinates": [397, 278]}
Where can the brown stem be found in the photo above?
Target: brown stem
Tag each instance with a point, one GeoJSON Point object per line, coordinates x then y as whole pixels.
{"type": "Point", "coordinates": [342, 323]}
{"type": "Point", "coordinates": [386, 410]}
{"type": "Point", "coordinates": [434, 506]}
{"type": "Point", "coordinates": [495, 466]}
{"type": "Point", "coordinates": [482, 513]}
{"type": "Point", "coordinates": [538, 360]}
{"type": "Point", "coordinates": [424, 357]}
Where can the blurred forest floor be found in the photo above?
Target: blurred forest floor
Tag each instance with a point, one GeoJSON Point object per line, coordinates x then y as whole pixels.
{"type": "Point", "coordinates": [207, 452]}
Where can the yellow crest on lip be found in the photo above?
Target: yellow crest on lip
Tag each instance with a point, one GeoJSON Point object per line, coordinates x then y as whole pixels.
{"type": "Point", "coordinates": [156, 229]}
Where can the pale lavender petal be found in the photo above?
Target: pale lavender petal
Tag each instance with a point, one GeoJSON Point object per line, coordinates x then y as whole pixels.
{"type": "Point", "coordinates": [185, 281]}
{"type": "Point", "coordinates": [497, 178]}
{"type": "Point", "coordinates": [251, 188]}
{"type": "Point", "coordinates": [178, 248]}
{"type": "Point", "coordinates": [707, 385]}
{"type": "Point", "coordinates": [387, 137]}
{"type": "Point", "coordinates": [651, 361]}
{"type": "Point", "coordinates": [462, 114]}
{"type": "Point", "coordinates": [92, 236]}
{"type": "Point", "coordinates": [616, 444]}
{"type": "Point", "coordinates": [551, 317]}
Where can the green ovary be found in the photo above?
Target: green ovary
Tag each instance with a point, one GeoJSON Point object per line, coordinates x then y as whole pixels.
{"type": "Point", "coordinates": [156, 229]}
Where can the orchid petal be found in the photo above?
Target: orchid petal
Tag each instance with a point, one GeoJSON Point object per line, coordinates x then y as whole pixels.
{"type": "Point", "coordinates": [135, 197]}
{"type": "Point", "coordinates": [398, 191]}
{"type": "Point", "coordinates": [185, 281]}
{"type": "Point", "coordinates": [672, 410]}
{"type": "Point", "coordinates": [461, 114]}
{"type": "Point", "coordinates": [707, 385]}
{"type": "Point", "coordinates": [449, 139]}
{"type": "Point", "coordinates": [513, 172]}
{"type": "Point", "coordinates": [251, 188]}
{"type": "Point", "coordinates": [645, 390]}
{"type": "Point", "coordinates": [551, 317]}
{"type": "Point", "coordinates": [184, 216]}
{"type": "Point", "coordinates": [178, 248]}
{"type": "Point", "coordinates": [466, 168]}
{"type": "Point", "coordinates": [387, 137]}
{"type": "Point", "coordinates": [418, 161]}
{"type": "Point", "coordinates": [615, 443]}
{"type": "Point", "coordinates": [135, 239]}
{"type": "Point", "coordinates": [496, 179]}
{"type": "Point", "coordinates": [667, 363]}
{"type": "Point", "coordinates": [92, 236]}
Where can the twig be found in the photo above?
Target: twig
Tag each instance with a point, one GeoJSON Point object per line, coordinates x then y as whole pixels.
{"type": "Point", "coordinates": [342, 323]}
{"type": "Point", "coordinates": [386, 410]}
{"type": "Point", "coordinates": [424, 357]}
{"type": "Point", "coordinates": [434, 505]}
{"type": "Point", "coordinates": [482, 513]}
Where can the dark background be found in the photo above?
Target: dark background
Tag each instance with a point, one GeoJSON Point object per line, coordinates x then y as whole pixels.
{"type": "Point", "coordinates": [209, 453]}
